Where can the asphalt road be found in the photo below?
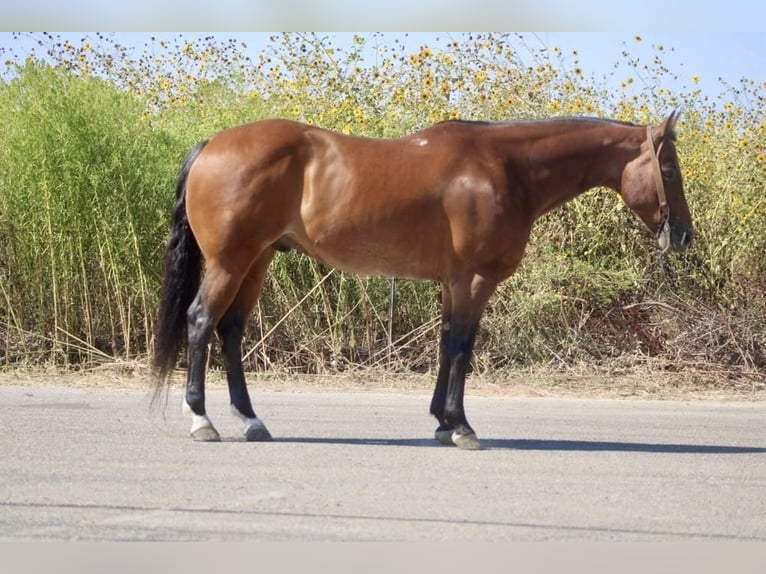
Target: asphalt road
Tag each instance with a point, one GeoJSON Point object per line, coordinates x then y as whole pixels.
{"type": "Point", "coordinates": [96, 464]}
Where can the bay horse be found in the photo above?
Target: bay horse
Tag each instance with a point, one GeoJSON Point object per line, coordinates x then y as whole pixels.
{"type": "Point", "coordinates": [453, 203]}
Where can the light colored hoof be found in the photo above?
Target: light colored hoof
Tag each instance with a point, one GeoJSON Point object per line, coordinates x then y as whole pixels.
{"type": "Point", "coordinates": [467, 441]}
{"type": "Point", "coordinates": [257, 432]}
{"type": "Point", "coordinates": [202, 429]}
{"type": "Point", "coordinates": [464, 440]}
{"type": "Point", "coordinates": [206, 434]}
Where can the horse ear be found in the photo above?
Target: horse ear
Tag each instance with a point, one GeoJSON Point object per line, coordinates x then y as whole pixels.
{"type": "Point", "coordinates": [669, 125]}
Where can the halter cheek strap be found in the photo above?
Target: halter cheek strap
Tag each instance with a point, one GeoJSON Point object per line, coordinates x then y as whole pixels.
{"type": "Point", "coordinates": [659, 185]}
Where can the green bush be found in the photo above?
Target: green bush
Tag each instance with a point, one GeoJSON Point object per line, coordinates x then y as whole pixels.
{"type": "Point", "coordinates": [83, 199]}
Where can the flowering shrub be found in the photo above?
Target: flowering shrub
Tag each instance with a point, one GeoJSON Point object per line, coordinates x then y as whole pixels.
{"type": "Point", "coordinates": [95, 134]}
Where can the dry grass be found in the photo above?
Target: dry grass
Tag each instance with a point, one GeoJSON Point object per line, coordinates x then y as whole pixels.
{"type": "Point", "coordinates": [647, 382]}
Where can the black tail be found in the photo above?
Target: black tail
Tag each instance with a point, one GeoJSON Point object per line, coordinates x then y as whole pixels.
{"type": "Point", "coordinates": [180, 282]}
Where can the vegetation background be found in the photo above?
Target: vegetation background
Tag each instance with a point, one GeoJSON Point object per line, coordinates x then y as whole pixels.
{"type": "Point", "coordinates": [94, 136]}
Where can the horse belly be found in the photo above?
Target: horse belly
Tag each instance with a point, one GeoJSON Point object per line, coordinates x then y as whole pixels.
{"type": "Point", "coordinates": [360, 215]}
{"type": "Point", "coordinates": [374, 254]}
{"type": "Point", "coordinates": [368, 238]}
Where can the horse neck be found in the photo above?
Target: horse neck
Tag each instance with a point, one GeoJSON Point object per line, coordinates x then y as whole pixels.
{"type": "Point", "coordinates": [565, 159]}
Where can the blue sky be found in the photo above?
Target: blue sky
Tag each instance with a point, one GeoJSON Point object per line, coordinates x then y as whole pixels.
{"type": "Point", "coordinates": [558, 15]}
{"type": "Point", "coordinates": [707, 55]}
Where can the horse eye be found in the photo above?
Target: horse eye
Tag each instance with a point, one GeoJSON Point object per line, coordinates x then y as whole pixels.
{"type": "Point", "coordinates": [668, 173]}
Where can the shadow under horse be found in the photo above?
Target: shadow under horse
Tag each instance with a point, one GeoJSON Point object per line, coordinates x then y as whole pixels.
{"type": "Point", "coordinates": [453, 203]}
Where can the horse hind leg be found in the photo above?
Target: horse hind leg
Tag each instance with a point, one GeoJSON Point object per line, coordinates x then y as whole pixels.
{"type": "Point", "coordinates": [215, 295]}
{"type": "Point", "coordinates": [230, 332]}
{"type": "Point", "coordinates": [200, 327]}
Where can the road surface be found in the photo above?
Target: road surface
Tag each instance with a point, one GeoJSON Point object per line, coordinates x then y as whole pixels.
{"type": "Point", "coordinates": [97, 464]}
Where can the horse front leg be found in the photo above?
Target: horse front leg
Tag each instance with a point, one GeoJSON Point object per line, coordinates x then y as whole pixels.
{"type": "Point", "coordinates": [468, 297]}
{"type": "Point", "coordinates": [456, 428]}
{"type": "Point", "coordinates": [444, 431]}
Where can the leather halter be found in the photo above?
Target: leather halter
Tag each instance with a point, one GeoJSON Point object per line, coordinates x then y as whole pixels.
{"type": "Point", "coordinates": [664, 225]}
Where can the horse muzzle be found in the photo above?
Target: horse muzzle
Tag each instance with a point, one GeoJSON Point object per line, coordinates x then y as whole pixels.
{"type": "Point", "coordinates": [674, 238]}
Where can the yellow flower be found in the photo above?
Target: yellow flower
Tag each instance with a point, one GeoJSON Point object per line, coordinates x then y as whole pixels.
{"type": "Point", "coordinates": [695, 78]}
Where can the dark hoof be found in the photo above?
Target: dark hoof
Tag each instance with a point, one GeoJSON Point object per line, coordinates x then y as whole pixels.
{"type": "Point", "coordinates": [444, 435]}
{"type": "Point", "coordinates": [206, 434]}
{"type": "Point", "coordinates": [256, 433]}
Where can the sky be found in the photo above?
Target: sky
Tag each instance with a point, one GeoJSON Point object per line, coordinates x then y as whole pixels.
{"type": "Point", "coordinates": [704, 41]}
{"type": "Point", "coordinates": [423, 15]}
{"type": "Point", "coordinates": [707, 56]}
{"type": "Point", "coordinates": [699, 59]}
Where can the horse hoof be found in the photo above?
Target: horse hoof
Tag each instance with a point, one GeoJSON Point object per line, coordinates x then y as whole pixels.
{"type": "Point", "coordinates": [444, 436]}
{"type": "Point", "coordinates": [206, 434]}
{"type": "Point", "coordinates": [466, 441]}
{"type": "Point", "coordinates": [257, 433]}
{"type": "Point", "coordinates": [460, 437]}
